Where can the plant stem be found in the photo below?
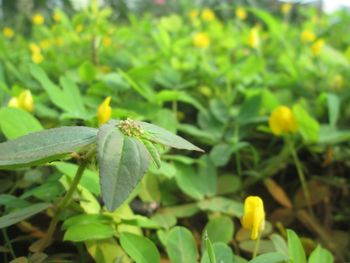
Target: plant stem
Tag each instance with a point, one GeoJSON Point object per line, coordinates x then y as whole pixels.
{"type": "Point", "coordinates": [8, 243]}
{"type": "Point", "coordinates": [301, 177]}
{"type": "Point", "coordinates": [62, 205]}
{"type": "Point", "coordinates": [257, 245]}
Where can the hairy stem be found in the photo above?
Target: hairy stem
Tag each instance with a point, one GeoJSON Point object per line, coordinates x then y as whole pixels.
{"type": "Point", "coordinates": [62, 205]}
{"type": "Point", "coordinates": [257, 245]}
{"type": "Point", "coordinates": [301, 177]}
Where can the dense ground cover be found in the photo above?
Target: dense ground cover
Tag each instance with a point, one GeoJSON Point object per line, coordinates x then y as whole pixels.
{"type": "Point", "coordinates": [264, 95]}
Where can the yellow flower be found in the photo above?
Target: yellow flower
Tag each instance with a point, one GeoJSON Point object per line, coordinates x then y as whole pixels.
{"type": "Point", "coordinates": [104, 111]}
{"type": "Point", "coordinates": [201, 40]}
{"type": "Point", "coordinates": [208, 15]}
{"type": "Point", "coordinates": [38, 19]}
{"type": "Point", "coordinates": [79, 28]}
{"type": "Point", "coordinates": [282, 121]}
{"type": "Point", "coordinates": [24, 101]}
{"type": "Point", "coordinates": [45, 44]}
{"type": "Point", "coordinates": [59, 41]}
{"type": "Point", "coordinates": [286, 7]}
{"type": "Point", "coordinates": [8, 32]}
{"type": "Point", "coordinates": [106, 41]}
{"type": "Point", "coordinates": [193, 14]}
{"type": "Point", "coordinates": [37, 58]}
{"type": "Point", "coordinates": [307, 36]}
{"type": "Point", "coordinates": [241, 13]}
{"type": "Point", "coordinates": [13, 103]}
{"type": "Point", "coordinates": [338, 82]}
{"type": "Point", "coordinates": [254, 38]}
{"type": "Point", "coordinates": [254, 216]}
{"type": "Point", "coordinates": [34, 48]}
{"type": "Point", "coordinates": [317, 47]}
{"type": "Point", "coordinates": [57, 17]}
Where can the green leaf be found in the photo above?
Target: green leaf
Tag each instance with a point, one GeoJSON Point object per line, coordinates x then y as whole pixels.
{"type": "Point", "coordinates": [106, 250]}
{"type": "Point", "coordinates": [139, 248]}
{"type": "Point", "coordinates": [89, 180]}
{"type": "Point", "coordinates": [122, 161]}
{"type": "Point", "coordinates": [222, 205]}
{"type": "Point", "coordinates": [218, 233]}
{"type": "Point", "coordinates": [88, 231]}
{"type": "Point", "coordinates": [45, 146]}
{"type": "Point", "coordinates": [220, 154]}
{"type": "Point", "coordinates": [280, 244]}
{"type": "Point", "coordinates": [333, 109]}
{"type": "Point", "coordinates": [189, 181]}
{"type": "Point", "coordinates": [209, 250]}
{"type": "Point", "coordinates": [181, 246]}
{"type": "Point", "coordinates": [87, 71]}
{"type": "Point", "coordinates": [152, 150]}
{"type": "Point", "coordinates": [24, 213]}
{"type": "Point", "coordinates": [11, 201]}
{"type": "Point", "coordinates": [17, 122]}
{"type": "Point", "coordinates": [272, 257]}
{"type": "Point", "coordinates": [295, 248]}
{"type": "Point", "coordinates": [249, 110]}
{"type": "Point", "coordinates": [162, 136]}
{"type": "Point", "coordinates": [307, 125]}
{"type": "Point", "coordinates": [85, 219]}
{"type": "Point", "coordinates": [321, 255]}
{"type": "Point", "coordinates": [223, 254]}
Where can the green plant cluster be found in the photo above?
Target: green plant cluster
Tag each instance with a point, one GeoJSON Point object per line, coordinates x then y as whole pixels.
{"type": "Point", "coordinates": [130, 190]}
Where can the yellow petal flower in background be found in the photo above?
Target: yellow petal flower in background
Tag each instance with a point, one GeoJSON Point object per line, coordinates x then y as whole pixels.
{"type": "Point", "coordinates": [254, 216]}
{"type": "Point", "coordinates": [241, 13]}
{"type": "Point", "coordinates": [208, 15]}
{"type": "Point", "coordinates": [286, 7]}
{"type": "Point", "coordinates": [79, 28]}
{"type": "Point", "coordinates": [254, 38]}
{"type": "Point", "coordinates": [8, 32]}
{"type": "Point", "coordinates": [37, 58]}
{"type": "Point", "coordinates": [59, 41]}
{"type": "Point", "coordinates": [282, 121]}
{"type": "Point", "coordinates": [106, 41]}
{"type": "Point", "coordinates": [45, 44]}
{"type": "Point", "coordinates": [13, 103]}
{"type": "Point", "coordinates": [25, 100]}
{"type": "Point", "coordinates": [317, 47]}
{"type": "Point", "coordinates": [34, 48]}
{"type": "Point", "coordinates": [201, 40]}
{"type": "Point", "coordinates": [38, 19]}
{"type": "Point", "coordinates": [307, 36]}
{"type": "Point", "coordinates": [104, 111]}
{"type": "Point", "coordinates": [56, 16]}
{"type": "Point", "coordinates": [193, 14]}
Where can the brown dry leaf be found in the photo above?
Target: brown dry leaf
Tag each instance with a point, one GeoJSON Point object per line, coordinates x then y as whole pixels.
{"type": "Point", "coordinates": [283, 215]}
{"type": "Point", "coordinates": [278, 193]}
{"type": "Point", "coordinates": [20, 260]}
{"type": "Point", "coordinates": [318, 192]}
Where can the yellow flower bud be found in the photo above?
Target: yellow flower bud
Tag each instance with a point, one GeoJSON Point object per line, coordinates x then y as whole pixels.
{"type": "Point", "coordinates": [38, 19]}
{"type": "Point", "coordinates": [25, 100]}
{"type": "Point", "coordinates": [317, 47]}
{"type": "Point", "coordinates": [104, 111]}
{"type": "Point", "coordinates": [13, 103]}
{"type": "Point", "coordinates": [8, 32]}
{"type": "Point", "coordinates": [241, 13]}
{"type": "Point", "coordinates": [254, 216]}
{"type": "Point", "coordinates": [37, 58]}
{"type": "Point", "coordinates": [307, 36]}
{"type": "Point", "coordinates": [282, 121]}
{"type": "Point", "coordinates": [208, 15]}
{"type": "Point", "coordinates": [254, 38]}
{"type": "Point", "coordinates": [201, 40]}
{"type": "Point", "coordinates": [286, 7]}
